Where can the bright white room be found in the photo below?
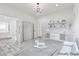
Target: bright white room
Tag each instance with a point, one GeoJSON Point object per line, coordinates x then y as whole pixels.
{"type": "Point", "coordinates": [39, 29]}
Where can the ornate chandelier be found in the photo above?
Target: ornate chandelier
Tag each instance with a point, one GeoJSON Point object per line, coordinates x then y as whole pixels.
{"type": "Point", "coordinates": [37, 9]}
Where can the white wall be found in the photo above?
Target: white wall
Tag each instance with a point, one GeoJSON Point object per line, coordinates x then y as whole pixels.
{"type": "Point", "coordinates": [76, 21]}
{"type": "Point", "coordinates": [64, 14]}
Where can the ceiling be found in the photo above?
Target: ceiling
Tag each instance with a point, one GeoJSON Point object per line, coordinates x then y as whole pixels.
{"type": "Point", "coordinates": [47, 8]}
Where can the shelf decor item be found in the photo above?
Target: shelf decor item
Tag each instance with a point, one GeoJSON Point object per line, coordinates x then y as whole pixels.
{"type": "Point", "coordinates": [63, 23]}
{"type": "Point", "coordinates": [50, 24]}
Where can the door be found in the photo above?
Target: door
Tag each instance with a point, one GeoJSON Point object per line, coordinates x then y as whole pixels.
{"type": "Point", "coordinates": [28, 31]}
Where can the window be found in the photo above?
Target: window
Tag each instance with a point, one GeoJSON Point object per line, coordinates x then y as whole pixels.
{"type": "Point", "coordinates": [4, 27]}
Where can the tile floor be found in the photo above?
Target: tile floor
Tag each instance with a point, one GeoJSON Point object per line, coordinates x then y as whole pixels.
{"type": "Point", "coordinates": [8, 48]}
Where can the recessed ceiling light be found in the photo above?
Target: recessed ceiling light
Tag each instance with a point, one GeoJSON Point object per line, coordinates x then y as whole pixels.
{"type": "Point", "coordinates": [57, 5]}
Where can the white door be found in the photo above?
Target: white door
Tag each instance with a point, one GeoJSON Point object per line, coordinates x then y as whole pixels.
{"type": "Point", "coordinates": [27, 31]}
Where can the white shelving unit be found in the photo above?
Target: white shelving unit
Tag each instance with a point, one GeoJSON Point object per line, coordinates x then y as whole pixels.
{"type": "Point", "coordinates": [59, 30]}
